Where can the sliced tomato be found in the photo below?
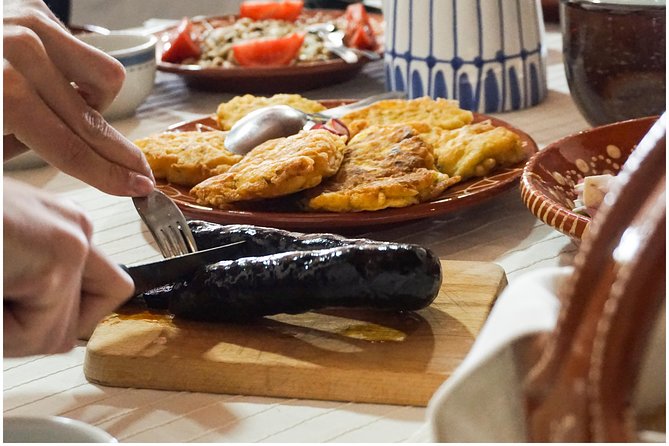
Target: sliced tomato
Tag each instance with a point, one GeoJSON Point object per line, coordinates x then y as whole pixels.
{"type": "Point", "coordinates": [361, 39]}
{"type": "Point", "coordinates": [268, 52]}
{"type": "Point", "coordinates": [335, 126]}
{"type": "Point", "coordinates": [356, 13]}
{"type": "Point", "coordinates": [181, 46]}
{"type": "Point", "coordinates": [288, 10]}
{"type": "Point", "coordinates": [359, 32]}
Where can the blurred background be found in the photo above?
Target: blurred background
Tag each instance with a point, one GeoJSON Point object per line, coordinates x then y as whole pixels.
{"type": "Point", "coordinates": [118, 14]}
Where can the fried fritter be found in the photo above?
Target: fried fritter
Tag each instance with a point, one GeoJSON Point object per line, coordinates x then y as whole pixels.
{"type": "Point", "coordinates": [384, 166]}
{"type": "Point", "coordinates": [475, 149]}
{"type": "Point", "coordinates": [236, 108]}
{"type": "Point", "coordinates": [275, 168]}
{"type": "Point", "coordinates": [187, 157]}
{"type": "Point", "coordinates": [435, 113]}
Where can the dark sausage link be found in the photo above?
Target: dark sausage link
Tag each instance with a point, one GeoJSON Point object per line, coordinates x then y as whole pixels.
{"type": "Point", "coordinates": [260, 241]}
{"type": "Point", "coordinates": [383, 276]}
{"type": "Point", "coordinates": [279, 271]}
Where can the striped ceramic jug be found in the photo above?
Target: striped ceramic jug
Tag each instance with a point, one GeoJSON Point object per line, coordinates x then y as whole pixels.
{"type": "Point", "coordinates": [487, 54]}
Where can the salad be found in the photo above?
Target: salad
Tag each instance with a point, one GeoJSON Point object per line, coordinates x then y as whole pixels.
{"type": "Point", "coordinates": [269, 33]}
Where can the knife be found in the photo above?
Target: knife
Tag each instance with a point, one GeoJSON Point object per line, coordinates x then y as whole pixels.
{"type": "Point", "coordinates": [147, 276]}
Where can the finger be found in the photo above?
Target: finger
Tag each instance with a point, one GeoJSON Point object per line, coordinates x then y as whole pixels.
{"type": "Point", "coordinates": [105, 287]}
{"type": "Point", "coordinates": [103, 77]}
{"type": "Point", "coordinates": [23, 50]}
{"type": "Point", "coordinates": [41, 315]}
{"type": "Point", "coordinates": [12, 8]}
{"type": "Point", "coordinates": [62, 148]}
{"type": "Point", "coordinates": [42, 282]}
{"type": "Point", "coordinates": [25, 333]}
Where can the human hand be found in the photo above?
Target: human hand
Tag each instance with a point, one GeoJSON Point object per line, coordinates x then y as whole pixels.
{"type": "Point", "coordinates": [54, 88]}
{"type": "Point", "coordinates": [57, 286]}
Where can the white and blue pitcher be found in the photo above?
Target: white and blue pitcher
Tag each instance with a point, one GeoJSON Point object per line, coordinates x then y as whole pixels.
{"type": "Point", "coordinates": [487, 54]}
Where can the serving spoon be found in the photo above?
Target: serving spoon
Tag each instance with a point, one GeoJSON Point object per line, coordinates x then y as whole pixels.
{"type": "Point", "coordinates": [278, 121]}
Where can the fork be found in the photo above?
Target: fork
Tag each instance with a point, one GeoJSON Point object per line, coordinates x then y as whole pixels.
{"type": "Point", "coordinates": [167, 224]}
{"type": "Point", "coordinates": [333, 40]}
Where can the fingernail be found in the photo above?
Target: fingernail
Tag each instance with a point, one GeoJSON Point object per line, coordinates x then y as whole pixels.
{"type": "Point", "coordinates": [141, 184]}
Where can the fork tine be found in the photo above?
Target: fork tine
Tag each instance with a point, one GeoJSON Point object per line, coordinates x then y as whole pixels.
{"type": "Point", "coordinates": [166, 223]}
{"type": "Point", "coordinates": [176, 240]}
{"type": "Point", "coordinates": [162, 242]}
{"type": "Point", "coordinates": [187, 236]}
{"type": "Point", "coordinates": [170, 241]}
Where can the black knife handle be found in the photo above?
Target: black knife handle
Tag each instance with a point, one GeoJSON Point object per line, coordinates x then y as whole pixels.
{"type": "Point", "coordinates": [151, 275]}
{"type": "Point", "coordinates": [142, 283]}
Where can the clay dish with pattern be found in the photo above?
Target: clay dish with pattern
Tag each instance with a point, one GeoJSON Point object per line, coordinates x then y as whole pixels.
{"type": "Point", "coordinates": [548, 180]}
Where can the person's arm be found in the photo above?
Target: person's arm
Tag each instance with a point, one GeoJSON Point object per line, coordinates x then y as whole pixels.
{"type": "Point", "coordinates": [54, 88]}
{"type": "Point", "coordinates": [57, 286]}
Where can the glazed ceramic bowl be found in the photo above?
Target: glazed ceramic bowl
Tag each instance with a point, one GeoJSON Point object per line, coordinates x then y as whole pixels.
{"type": "Point", "coordinates": [548, 180]}
{"type": "Point", "coordinates": [137, 53]}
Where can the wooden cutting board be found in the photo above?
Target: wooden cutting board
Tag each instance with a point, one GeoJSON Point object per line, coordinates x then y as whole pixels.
{"type": "Point", "coordinates": [342, 355]}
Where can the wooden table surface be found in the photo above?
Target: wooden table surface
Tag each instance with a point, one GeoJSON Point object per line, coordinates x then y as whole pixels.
{"type": "Point", "coordinates": [501, 230]}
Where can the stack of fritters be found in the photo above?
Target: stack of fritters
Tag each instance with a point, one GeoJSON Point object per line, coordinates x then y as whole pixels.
{"type": "Point", "coordinates": [187, 157]}
{"type": "Point", "coordinates": [276, 168]}
{"type": "Point", "coordinates": [473, 150]}
{"type": "Point", "coordinates": [386, 166]}
{"type": "Point", "coordinates": [236, 108]}
{"type": "Point", "coordinates": [439, 112]}
{"type": "Point", "coordinates": [401, 152]}
{"type": "Point", "coordinates": [461, 148]}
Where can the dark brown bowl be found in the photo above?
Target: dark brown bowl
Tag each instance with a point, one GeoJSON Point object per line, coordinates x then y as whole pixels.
{"type": "Point", "coordinates": [548, 180]}
{"type": "Point", "coordinates": [615, 58]}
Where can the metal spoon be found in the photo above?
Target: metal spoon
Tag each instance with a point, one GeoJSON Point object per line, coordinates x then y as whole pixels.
{"type": "Point", "coordinates": [278, 121]}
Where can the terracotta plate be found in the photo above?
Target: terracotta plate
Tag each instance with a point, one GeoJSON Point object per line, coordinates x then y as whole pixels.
{"type": "Point", "coordinates": [547, 186]}
{"type": "Point", "coordinates": [280, 213]}
{"type": "Point", "coordinates": [288, 79]}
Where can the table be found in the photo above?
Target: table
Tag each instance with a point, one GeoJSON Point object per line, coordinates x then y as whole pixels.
{"type": "Point", "coordinates": [501, 230]}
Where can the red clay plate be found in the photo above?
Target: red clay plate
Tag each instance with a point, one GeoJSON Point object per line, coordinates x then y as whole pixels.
{"type": "Point", "coordinates": [288, 79]}
{"type": "Point", "coordinates": [547, 186]}
{"type": "Point", "coordinates": [278, 213]}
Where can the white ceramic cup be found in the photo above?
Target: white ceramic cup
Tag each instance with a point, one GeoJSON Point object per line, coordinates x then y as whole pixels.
{"type": "Point", "coordinates": [27, 429]}
{"type": "Point", "coordinates": [137, 53]}
{"type": "Point", "coordinates": [487, 54]}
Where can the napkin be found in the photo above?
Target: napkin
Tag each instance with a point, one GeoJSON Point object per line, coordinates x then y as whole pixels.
{"type": "Point", "coordinates": [483, 401]}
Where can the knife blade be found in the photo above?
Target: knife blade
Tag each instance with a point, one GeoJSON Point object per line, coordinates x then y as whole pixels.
{"type": "Point", "coordinates": [147, 276]}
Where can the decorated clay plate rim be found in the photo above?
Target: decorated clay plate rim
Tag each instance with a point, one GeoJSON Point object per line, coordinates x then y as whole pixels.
{"type": "Point", "coordinates": [457, 197]}
{"type": "Point", "coordinates": [549, 210]}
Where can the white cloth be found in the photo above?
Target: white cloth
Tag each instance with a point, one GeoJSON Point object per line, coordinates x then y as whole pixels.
{"type": "Point", "coordinates": [482, 401]}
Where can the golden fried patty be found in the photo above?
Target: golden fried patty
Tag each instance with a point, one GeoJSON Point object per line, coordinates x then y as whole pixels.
{"type": "Point", "coordinates": [232, 111]}
{"type": "Point", "coordinates": [475, 149]}
{"type": "Point", "coordinates": [275, 168]}
{"type": "Point", "coordinates": [435, 113]}
{"type": "Point", "coordinates": [386, 166]}
{"type": "Point", "coordinates": [187, 157]}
